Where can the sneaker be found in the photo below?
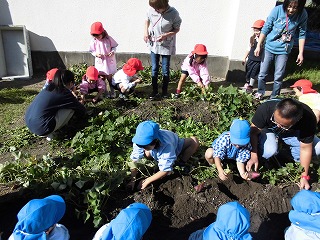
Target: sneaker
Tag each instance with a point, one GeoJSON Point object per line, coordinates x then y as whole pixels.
{"type": "Point", "coordinates": [154, 96]}
{"type": "Point", "coordinates": [177, 95]}
{"type": "Point", "coordinates": [113, 95]}
{"type": "Point", "coordinates": [123, 96]}
{"type": "Point", "coordinates": [249, 89]}
{"type": "Point", "coordinates": [245, 86]}
{"type": "Point", "coordinates": [258, 96]}
{"type": "Point", "coordinates": [164, 96]}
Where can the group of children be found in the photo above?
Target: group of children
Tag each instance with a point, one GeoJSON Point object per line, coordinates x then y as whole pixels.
{"type": "Point", "coordinates": [38, 220]}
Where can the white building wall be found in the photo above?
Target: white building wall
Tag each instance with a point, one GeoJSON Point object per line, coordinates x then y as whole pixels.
{"type": "Point", "coordinates": [223, 26]}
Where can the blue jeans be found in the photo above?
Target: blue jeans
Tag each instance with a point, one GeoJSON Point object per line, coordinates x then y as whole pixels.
{"type": "Point", "coordinates": [280, 62]}
{"type": "Point", "coordinates": [155, 59]}
{"type": "Point", "coordinates": [268, 144]}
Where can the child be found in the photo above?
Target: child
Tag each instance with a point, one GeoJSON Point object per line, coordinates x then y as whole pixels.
{"type": "Point", "coordinates": [233, 222]}
{"type": "Point", "coordinates": [195, 66]}
{"type": "Point", "coordinates": [235, 145]}
{"type": "Point", "coordinates": [126, 79]}
{"type": "Point", "coordinates": [252, 62]}
{"type": "Point", "coordinates": [163, 146]}
{"type": "Point", "coordinates": [92, 83]}
{"type": "Point", "coordinates": [103, 48]}
{"type": "Point", "coordinates": [49, 77]}
{"type": "Point", "coordinates": [131, 223]}
{"type": "Point", "coordinates": [307, 95]}
{"type": "Point", "coordinates": [162, 24]}
{"type": "Point", "coordinates": [305, 216]}
{"type": "Point", "coordinates": [54, 106]}
{"type": "Point", "coordinates": [38, 219]}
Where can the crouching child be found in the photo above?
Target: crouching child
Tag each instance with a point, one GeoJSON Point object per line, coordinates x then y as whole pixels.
{"type": "Point", "coordinates": [233, 144]}
{"type": "Point", "coordinates": [162, 146]}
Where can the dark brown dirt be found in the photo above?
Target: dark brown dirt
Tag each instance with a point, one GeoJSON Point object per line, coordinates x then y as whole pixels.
{"type": "Point", "coordinates": [177, 209]}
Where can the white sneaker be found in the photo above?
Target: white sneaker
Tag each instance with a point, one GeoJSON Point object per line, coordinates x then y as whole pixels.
{"type": "Point", "coordinates": [258, 96]}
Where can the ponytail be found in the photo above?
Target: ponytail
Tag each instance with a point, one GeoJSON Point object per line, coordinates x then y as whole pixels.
{"type": "Point", "coordinates": [191, 59]}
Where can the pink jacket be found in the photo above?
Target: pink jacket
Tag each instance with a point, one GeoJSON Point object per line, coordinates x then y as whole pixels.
{"type": "Point", "coordinates": [196, 71]}
{"type": "Point", "coordinates": [106, 64]}
{"type": "Point", "coordinates": [85, 86]}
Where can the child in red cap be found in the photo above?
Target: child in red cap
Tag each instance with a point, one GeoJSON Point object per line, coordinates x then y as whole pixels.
{"type": "Point", "coordinates": [103, 48]}
{"type": "Point", "coordinates": [251, 61]}
{"type": "Point", "coordinates": [126, 79]}
{"type": "Point", "coordinates": [306, 94]}
{"type": "Point", "coordinates": [49, 76]}
{"type": "Point", "coordinates": [195, 66]}
{"type": "Point", "coordinates": [92, 83]}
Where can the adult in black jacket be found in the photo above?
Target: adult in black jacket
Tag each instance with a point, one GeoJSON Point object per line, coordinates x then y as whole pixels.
{"type": "Point", "coordinates": [54, 106]}
{"type": "Point", "coordinates": [290, 122]}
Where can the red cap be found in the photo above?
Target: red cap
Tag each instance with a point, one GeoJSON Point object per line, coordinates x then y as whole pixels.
{"type": "Point", "coordinates": [258, 24]}
{"type": "Point", "coordinates": [96, 28]}
{"type": "Point", "coordinates": [132, 66]}
{"type": "Point", "coordinates": [92, 73]}
{"type": "Point", "coordinates": [200, 49]}
{"type": "Point", "coordinates": [51, 73]}
{"type": "Point", "coordinates": [305, 84]}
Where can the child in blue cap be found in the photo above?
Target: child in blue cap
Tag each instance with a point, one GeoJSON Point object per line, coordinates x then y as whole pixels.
{"type": "Point", "coordinates": [305, 216]}
{"type": "Point", "coordinates": [163, 146]}
{"type": "Point", "coordinates": [131, 223]}
{"type": "Point", "coordinates": [233, 222]}
{"type": "Point", "coordinates": [234, 144]}
{"type": "Point", "coordinates": [38, 220]}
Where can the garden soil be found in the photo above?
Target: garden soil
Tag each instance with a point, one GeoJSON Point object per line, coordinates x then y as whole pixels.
{"type": "Point", "coordinates": [178, 206]}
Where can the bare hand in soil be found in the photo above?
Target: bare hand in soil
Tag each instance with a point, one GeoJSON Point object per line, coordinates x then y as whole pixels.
{"type": "Point", "coordinates": [143, 184]}
{"type": "Point", "coordinates": [223, 176]}
{"type": "Point", "coordinates": [251, 162]}
{"type": "Point", "coordinates": [304, 184]}
{"type": "Point", "coordinates": [245, 176]}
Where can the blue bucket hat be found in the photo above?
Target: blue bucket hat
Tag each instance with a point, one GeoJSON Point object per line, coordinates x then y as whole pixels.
{"type": "Point", "coordinates": [37, 216]}
{"type": "Point", "coordinates": [131, 223]}
{"type": "Point", "coordinates": [306, 210]}
{"type": "Point", "coordinates": [146, 132]}
{"type": "Point", "coordinates": [240, 132]}
{"type": "Point", "coordinates": [233, 222]}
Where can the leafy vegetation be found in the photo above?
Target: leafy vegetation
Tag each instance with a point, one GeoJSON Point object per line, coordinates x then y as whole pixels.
{"type": "Point", "coordinates": [97, 162]}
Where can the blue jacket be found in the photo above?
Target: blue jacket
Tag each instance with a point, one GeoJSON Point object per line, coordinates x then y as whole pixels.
{"type": "Point", "coordinates": [232, 223]}
{"type": "Point", "coordinates": [131, 223]}
{"type": "Point", "coordinates": [306, 210]}
{"type": "Point", "coordinates": [40, 116]}
{"type": "Point", "coordinates": [275, 26]}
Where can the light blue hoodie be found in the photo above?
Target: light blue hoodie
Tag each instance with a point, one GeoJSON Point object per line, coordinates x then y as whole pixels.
{"type": "Point", "coordinates": [306, 210]}
{"type": "Point", "coordinates": [130, 224]}
{"type": "Point", "coordinates": [275, 26]}
{"type": "Point", "coordinates": [37, 216]}
{"type": "Point", "coordinates": [232, 223]}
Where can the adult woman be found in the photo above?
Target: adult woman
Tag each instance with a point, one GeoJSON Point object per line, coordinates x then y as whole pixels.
{"type": "Point", "coordinates": [161, 27]}
{"type": "Point", "coordinates": [54, 106]}
{"type": "Point", "coordinates": [283, 22]}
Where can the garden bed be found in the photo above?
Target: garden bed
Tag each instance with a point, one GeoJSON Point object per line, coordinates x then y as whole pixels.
{"type": "Point", "coordinates": [178, 209]}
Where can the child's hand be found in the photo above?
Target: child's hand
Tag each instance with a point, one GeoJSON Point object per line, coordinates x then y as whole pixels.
{"type": "Point", "coordinates": [245, 176]}
{"type": "Point", "coordinates": [223, 175]}
{"type": "Point", "coordinates": [143, 184]}
{"type": "Point", "coordinates": [99, 55]}
{"type": "Point", "coordinates": [138, 80]}
{"type": "Point", "coordinates": [110, 54]}
{"type": "Point", "coordinates": [95, 100]}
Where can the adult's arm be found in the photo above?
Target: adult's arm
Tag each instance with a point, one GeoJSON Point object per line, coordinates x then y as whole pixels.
{"type": "Point", "coordinates": [305, 159]}
{"type": "Point", "coordinates": [254, 136]}
{"type": "Point", "coordinates": [299, 60]}
{"type": "Point", "coordinates": [146, 32]}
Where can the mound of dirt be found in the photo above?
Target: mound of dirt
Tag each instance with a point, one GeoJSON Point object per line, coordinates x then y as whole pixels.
{"type": "Point", "coordinates": [199, 111]}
